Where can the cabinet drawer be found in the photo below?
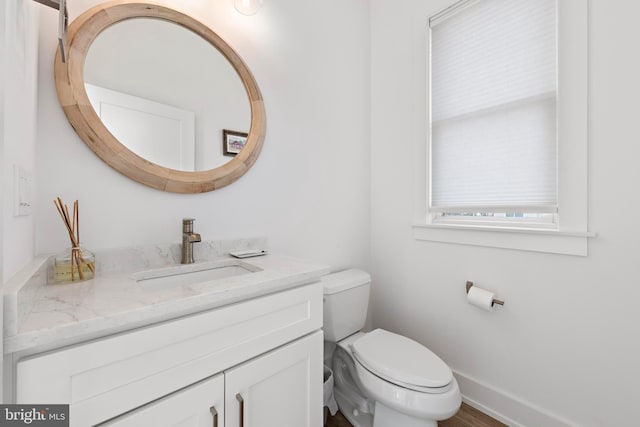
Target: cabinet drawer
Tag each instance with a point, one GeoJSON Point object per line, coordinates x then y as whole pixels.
{"type": "Point", "coordinates": [107, 377]}
{"type": "Point", "coordinates": [200, 405]}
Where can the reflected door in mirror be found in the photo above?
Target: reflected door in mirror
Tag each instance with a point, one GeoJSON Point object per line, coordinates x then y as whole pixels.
{"type": "Point", "coordinates": [160, 133]}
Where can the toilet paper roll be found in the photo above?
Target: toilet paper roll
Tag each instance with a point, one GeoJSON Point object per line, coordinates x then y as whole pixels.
{"type": "Point", "coordinates": [481, 298]}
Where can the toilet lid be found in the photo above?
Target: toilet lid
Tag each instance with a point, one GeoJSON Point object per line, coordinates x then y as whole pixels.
{"type": "Point", "coordinates": [401, 360]}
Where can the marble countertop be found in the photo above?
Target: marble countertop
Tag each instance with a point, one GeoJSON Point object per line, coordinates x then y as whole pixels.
{"type": "Point", "coordinates": [41, 316]}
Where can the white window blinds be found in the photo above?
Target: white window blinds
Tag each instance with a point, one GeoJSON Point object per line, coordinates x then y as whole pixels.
{"type": "Point", "coordinates": [493, 107]}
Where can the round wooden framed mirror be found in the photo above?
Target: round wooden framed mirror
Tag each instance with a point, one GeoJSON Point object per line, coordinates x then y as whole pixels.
{"type": "Point", "coordinates": [90, 124]}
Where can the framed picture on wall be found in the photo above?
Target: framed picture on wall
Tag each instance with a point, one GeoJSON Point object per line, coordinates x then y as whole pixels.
{"type": "Point", "coordinates": [232, 142]}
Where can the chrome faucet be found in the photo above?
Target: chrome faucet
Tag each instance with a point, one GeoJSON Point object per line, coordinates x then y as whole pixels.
{"type": "Point", "coordinates": [188, 239]}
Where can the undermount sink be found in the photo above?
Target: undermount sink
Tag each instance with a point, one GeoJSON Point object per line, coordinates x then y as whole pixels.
{"type": "Point", "coordinates": [191, 274]}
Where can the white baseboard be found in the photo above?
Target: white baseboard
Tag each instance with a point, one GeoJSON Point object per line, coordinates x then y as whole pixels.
{"type": "Point", "coordinates": [505, 407]}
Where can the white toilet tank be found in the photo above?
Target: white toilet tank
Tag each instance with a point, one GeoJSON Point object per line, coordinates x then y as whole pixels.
{"type": "Point", "coordinates": [346, 299]}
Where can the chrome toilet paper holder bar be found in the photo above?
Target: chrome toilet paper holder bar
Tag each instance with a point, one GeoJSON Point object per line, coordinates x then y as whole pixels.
{"type": "Point", "coordinates": [494, 302]}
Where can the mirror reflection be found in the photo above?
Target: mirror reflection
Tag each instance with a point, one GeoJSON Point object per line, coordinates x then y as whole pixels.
{"type": "Point", "coordinates": [166, 93]}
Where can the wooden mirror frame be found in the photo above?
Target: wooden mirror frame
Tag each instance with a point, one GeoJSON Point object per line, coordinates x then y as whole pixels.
{"type": "Point", "coordinates": [69, 79]}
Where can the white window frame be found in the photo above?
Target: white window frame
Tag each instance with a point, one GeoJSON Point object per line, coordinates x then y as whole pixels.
{"type": "Point", "coordinates": [571, 234]}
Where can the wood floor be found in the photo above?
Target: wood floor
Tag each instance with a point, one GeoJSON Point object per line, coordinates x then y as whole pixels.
{"type": "Point", "coordinates": [466, 417]}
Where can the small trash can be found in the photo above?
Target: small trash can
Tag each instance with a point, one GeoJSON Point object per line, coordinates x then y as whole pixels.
{"type": "Point", "coordinates": [327, 393]}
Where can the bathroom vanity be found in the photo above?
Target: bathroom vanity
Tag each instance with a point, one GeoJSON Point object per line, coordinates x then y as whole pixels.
{"type": "Point", "coordinates": [221, 342]}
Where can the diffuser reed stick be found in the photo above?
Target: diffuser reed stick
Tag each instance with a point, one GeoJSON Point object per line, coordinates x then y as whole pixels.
{"type": "Point", "coordinates": [72, 224]}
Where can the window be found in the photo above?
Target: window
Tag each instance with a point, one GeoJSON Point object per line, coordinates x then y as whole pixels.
{"type": "Point", "coordinates": [507, 143]}
{"type": "Point", "coordinates": [493, 112]}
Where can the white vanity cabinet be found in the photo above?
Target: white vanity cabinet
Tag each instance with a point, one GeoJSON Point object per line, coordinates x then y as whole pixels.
{"type": "Point", "coordinates": [267, 350]}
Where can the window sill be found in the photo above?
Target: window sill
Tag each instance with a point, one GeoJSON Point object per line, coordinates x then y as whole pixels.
{"type": "Point", "coordinates": [547, 241]}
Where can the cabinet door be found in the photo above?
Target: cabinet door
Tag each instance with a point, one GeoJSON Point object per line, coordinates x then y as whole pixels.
{"type": "Point", "coordinates": [282, 388]}
{"type": "Point", "coordinates": [199, 405]}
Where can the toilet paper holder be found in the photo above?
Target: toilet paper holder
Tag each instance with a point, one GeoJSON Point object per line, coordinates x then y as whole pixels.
{"type": "Point", "coordinates": [494, 302]}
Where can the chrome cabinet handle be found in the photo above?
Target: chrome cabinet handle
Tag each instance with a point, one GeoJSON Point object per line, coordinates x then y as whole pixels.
{"type": "Point", "coordinates": [214, 413]}
{"type": "Point", "coordinates": [241, 401]}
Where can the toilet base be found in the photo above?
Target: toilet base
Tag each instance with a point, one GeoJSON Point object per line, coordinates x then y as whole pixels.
{"type": "Point", "coordinates": [387, 417]}
{"type": "Point", "coordinates": [356, 417]}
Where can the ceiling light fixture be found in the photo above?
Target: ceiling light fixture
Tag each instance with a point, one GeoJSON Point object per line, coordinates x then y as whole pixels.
{"type": "Point", "coordinates": [247, 7]}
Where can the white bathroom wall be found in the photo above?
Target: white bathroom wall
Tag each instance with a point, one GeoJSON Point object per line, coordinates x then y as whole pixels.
{"type": "Point", "coordinates": [3, 84]}
{"type": "Point", "coordinates": [564, 348]}
{"type": "Point", "coordinates": [18, 67]}
{"type": "Point", "coordinates": [308, 192]}
{"type": "Point", "coordinates": [18, 88]}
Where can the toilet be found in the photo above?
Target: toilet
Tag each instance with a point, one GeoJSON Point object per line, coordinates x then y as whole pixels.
{"type": "Point", "coordinates": [381, 379]}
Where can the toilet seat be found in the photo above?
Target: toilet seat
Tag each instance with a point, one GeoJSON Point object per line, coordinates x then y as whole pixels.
{"type": "Point", "coordinates": [430, 404]}
{"type": "Point", "coordinates": [402, 361]}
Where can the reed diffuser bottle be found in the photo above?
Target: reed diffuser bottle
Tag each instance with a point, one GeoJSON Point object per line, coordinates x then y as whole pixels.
{"type": "Point", "coordinates": [75, 263]}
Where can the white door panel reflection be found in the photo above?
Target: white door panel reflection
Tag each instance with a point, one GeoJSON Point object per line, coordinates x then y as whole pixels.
{"type": "Point", "coordinates": [160, 133]}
